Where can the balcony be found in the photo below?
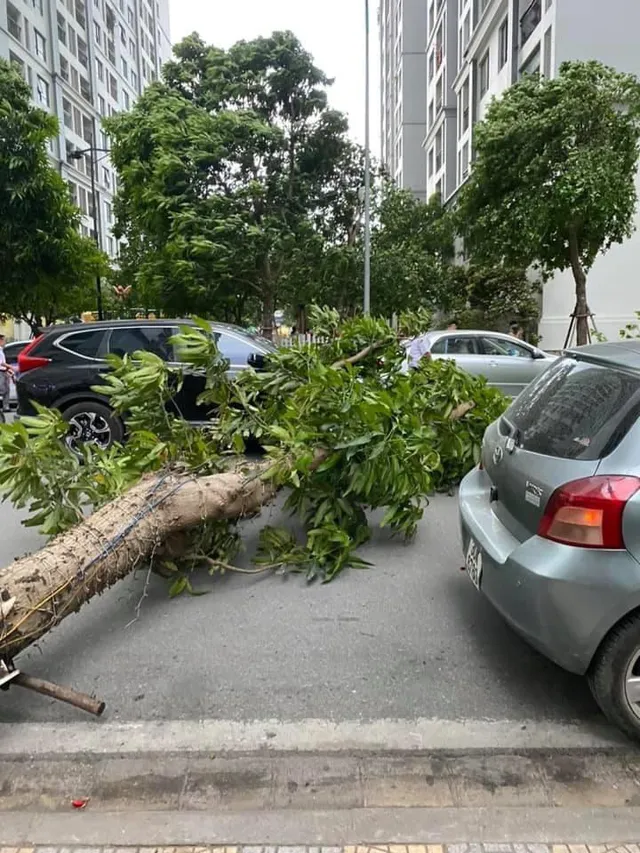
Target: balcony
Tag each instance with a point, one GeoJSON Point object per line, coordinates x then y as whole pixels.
{"type": "Point", "coordinates": [530, 20]}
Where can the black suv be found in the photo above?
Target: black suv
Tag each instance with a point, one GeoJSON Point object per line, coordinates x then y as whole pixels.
{"type": "Point", "coordinates": [59, 368]}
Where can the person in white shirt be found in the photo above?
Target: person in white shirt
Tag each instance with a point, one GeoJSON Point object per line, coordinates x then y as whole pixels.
{"type": "Point", "coordinates": [6, 374]}
{"type": "Point", "coordinates": [421, 346]}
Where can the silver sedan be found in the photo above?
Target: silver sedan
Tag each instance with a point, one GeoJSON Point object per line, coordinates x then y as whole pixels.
{"type": "Point", "coordinates": [506, 362]}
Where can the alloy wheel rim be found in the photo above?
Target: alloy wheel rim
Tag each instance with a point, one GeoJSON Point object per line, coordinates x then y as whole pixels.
{"type": "Point", "coordinates": [88, 428]}
{"type": "Point", "coordinates": [632, 684]}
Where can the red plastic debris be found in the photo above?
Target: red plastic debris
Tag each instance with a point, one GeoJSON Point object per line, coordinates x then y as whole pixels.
{"type": "Point", "coordinates": [81, 803]}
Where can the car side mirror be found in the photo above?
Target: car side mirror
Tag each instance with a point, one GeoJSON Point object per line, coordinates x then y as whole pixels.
{"type": "Point", "coordinates": [538, 354]}
{"type": "Point", "coordinates": [256, 360]}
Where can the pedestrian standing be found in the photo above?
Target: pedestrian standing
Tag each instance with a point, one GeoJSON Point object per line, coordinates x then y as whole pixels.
{"type": "Point", "coordinates": [6, 375]}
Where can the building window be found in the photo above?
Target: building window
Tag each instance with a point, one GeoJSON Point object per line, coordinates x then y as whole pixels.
{"type": "Point", "coordinates": [73, 47]}
{"type": "Point", "coordinates": [134, 79]}
{"type": "Point", "coordinates": [532, 65]}
{"type": "Point", "coordinates": [97, 33]}
{"type": "Point", "coordinates": [127, 100]}
{"type": "Point", "coordinates": [131, 16]}
{"type": "Point", "coordinates": [465, 106]}
{"type": "Point", "coordinates": [87, 129]}
{"type": "Point", "coordinates": [100, 69]}
{"type": "Point", "coordinates": [430, 161]}
{"type": "Point", "coordinates": [132, 48]}
{"type": "Point", "coordinates": [111, 51]}
{"type": "Point", "coordinates": [503, 44]}
{"type": "Point", "coordinates": [73, 192]}
{"type": "Point", "coordinates": [80, 13]}
{"type": "Point", "coordinates": [68, 115]}
{"type": "Point", "coordinates": [483, 74]}
{"type": "Point", "coordinates": [62, 28]}
{"type": "Point", "coordinates": [466, 32]}
{"type": "Point", "coordinates": [465, 161]}
{"type": "Point", "coordinates": [108, 213]}
{"type": "Point", "coordinates": [42, 92]}
{"type": "Point", "coordinates": [102, 107]}
{"type": "Point", "coordinates": [83, 59]}
{"type": "Point", "coordinates": [18, 64]}
{"type": "Point", "coordinates": [547, 53]}
{"type": "Point", "coordinates": [125, 68]}
{"type": "Point", "coordinates": [40, 45]}
{"type": "Point", "coordinates": [106, 177]}
{"type": "Point", "coordinates": [85, 89]}
{"type": "Point", "coordinates": [14, 21]}
{"type": "Point", "coordinates": [113, 87]}
{"type": "Point", "coordinates": [123, 35]}
{"type": "Point", "coordinates": [110, 246]}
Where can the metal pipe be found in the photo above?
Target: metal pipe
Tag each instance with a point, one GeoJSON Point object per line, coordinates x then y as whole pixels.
{"type": "Point", "coordinates": [367, 167]}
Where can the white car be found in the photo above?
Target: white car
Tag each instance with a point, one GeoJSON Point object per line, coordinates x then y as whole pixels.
{"type": "Point", "coordinates": [506, 362]}
{"type": "Point", "coordinates": [11, 353]}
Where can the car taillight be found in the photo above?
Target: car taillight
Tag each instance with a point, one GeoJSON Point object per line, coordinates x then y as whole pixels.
{"type": "Point", "coordinates": [588, 512]}
{"type": "Point", "coordinates": [30, 362]}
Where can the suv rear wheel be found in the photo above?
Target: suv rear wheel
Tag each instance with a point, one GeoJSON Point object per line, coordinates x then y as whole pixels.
{"type": "Point", "coordinates": [92, 423]}
{"type": "Point", "coordinates": [615, 676]}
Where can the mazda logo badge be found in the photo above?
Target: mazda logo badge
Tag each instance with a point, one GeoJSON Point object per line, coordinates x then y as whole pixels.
{"type": "Point", "coordinates": [498, 453]}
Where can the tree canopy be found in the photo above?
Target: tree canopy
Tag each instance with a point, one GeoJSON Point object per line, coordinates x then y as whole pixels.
{"type": "Point", "coordinates": [227, 167]}
{"type": "Point", "coordinates": [46, 264]}
{"type": "Point", "coordinates": [553, 182]}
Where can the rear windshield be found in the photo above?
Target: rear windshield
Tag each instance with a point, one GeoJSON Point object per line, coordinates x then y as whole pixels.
{"type": "Point", "coordinates": [575, 410]}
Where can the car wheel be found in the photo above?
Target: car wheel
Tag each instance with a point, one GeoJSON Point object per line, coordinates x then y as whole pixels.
{"type": "Point", "coordinates": [92, 423]}
{"type": "Point", "coordinates": [614, 677]}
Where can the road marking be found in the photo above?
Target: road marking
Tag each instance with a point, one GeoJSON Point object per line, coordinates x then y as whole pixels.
{"type": "Point", "coordinates": [230, 736]}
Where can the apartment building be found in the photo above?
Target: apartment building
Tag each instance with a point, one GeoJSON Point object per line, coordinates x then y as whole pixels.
{"type": "Point", "coordinates": [85, 60]}
{"type": "Point", "coordinates": [402, 27]}
{"type": "Point", "coordinates": [474, 50]}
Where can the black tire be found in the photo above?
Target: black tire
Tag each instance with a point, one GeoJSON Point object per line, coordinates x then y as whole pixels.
{"type": "Point", "coordinates": [608, 674]}
{"type": "Point", "coordinates": [94, 422]}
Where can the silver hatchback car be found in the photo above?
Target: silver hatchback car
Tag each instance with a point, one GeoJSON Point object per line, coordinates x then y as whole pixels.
{"type": "Point", "coordinates": [506, 362]}
{"type": "Point", "coordinates": [551, 520]}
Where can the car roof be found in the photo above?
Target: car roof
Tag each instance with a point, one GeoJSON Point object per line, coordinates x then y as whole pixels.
{"type": "Point", "coordinates": [623, 353]}
{"type": "Point", "coordinates": [63, 328]}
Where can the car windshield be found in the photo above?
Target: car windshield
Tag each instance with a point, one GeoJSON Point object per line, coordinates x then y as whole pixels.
{"type": "Point", "coordinates": [575, 410]}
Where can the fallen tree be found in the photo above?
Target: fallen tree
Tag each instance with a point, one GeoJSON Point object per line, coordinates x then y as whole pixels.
{"type": "Point", "coordinates": [344, 428]}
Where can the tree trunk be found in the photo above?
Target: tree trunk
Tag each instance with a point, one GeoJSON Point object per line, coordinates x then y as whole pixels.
{"type": "Point", "coordinates": [39, 591]}
{"type": "Point", "coordinates": [580, 278]}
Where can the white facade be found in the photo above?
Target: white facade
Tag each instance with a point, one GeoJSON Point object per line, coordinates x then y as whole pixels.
{"type": "Point", "coordinates": [402, 25]}
{"type": "Point", "coordinates": [475, 50]}
{"type": "Point", "coordinates": [85, 60]}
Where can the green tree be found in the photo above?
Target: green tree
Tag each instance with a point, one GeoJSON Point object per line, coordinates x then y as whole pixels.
{"type": "Point", "coordinates": [412, 250]}
{"type": "Point", "coordinates": [227, 169]}
{"type": "Point", "coordinates": [46, 266]}
{"type": "Point", "coordinates": [553, 182]}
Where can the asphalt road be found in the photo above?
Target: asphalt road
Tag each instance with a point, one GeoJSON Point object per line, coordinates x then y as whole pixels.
{"type": "Point", "coordinates": [408, 638]}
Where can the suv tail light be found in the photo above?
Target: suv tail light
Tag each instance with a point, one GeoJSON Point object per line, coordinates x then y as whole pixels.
{"type": "Point", "coordinates": [588, 512]}
{"type": "Point", "coordinates": [30, 362]}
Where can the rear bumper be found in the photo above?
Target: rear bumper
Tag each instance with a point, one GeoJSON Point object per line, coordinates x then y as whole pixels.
{"type": "Point", "coordinates": [562, 600]}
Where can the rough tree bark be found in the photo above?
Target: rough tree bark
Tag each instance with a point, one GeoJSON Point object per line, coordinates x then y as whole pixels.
{"type": "Point", "coordinates": [580, 278]}
{"type": "Point", "coordinates": [39, 591]}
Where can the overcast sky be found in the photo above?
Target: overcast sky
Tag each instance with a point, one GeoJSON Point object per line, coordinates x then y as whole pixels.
{"type": "Point", "coordinates": [332, 30]}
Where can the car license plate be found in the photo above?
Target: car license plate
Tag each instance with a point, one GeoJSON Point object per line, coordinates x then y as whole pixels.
{"type": "Point", "coordinates": [473, 563]}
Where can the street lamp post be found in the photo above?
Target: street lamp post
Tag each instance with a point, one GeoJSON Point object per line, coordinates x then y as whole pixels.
{"type": "Point", "coordinates": [367, 166]}
{"type": "Point", "coordinates": [78, 155]}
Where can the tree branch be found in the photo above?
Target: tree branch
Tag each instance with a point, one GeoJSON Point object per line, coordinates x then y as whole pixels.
{"type": "Point", "coordinates": [359, 356]}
